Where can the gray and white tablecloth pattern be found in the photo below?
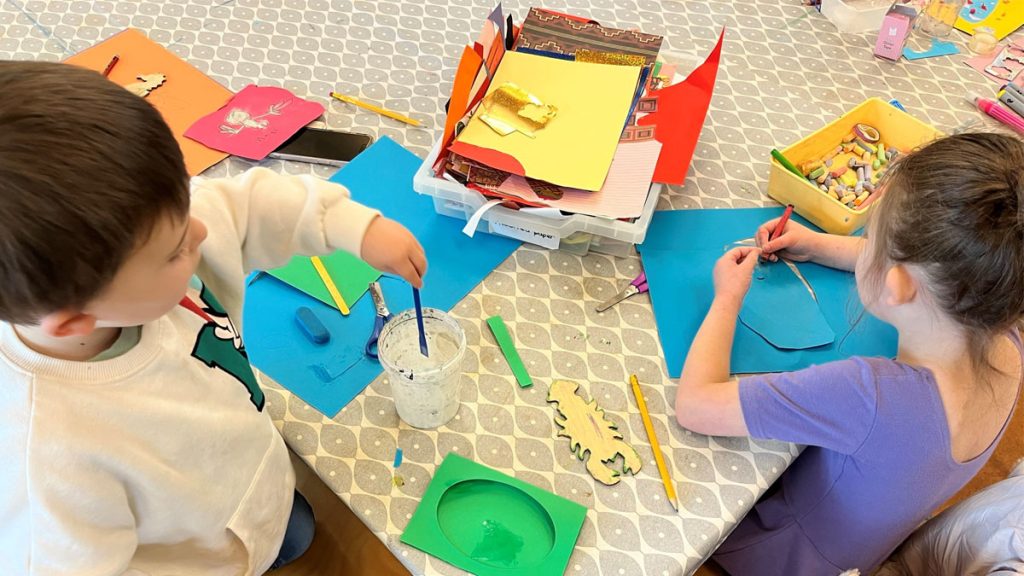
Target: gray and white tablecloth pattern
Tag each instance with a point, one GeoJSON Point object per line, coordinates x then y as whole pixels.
{"type": "Point", "coordinates": [785, 72]}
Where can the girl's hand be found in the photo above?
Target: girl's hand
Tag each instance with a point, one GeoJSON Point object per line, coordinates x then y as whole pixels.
{"type": "Point", "coordinates": [732, 273]}
{"type": "Point", "coordinates": [796, 242]}
{"type": "Point", "coordinates": [389, 247]}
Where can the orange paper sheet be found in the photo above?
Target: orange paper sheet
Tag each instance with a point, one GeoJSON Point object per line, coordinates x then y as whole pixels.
{"type": "Point", "coordinates": [186, 96]}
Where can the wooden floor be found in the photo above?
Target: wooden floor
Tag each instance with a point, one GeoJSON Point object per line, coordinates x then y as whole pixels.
{"type": "Point", "coordinates": [343, 545]}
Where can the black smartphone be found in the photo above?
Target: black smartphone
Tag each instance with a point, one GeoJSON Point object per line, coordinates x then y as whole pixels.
{"type": "Point", "coordinates": [323, 146]}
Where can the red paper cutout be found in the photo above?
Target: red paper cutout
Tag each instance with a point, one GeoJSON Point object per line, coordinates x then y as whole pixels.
{"type": "Point", "coordinates": [489, 157]}
{"type": "Point", "coordinates": [681, 109]}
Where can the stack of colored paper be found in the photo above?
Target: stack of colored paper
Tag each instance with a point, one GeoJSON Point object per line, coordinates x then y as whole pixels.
{"type": "Point", "coordinates": [568, 114]}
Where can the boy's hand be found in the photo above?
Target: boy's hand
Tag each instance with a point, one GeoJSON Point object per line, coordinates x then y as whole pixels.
{"type": "Point", "coordinates": [389, 247]}
{"type": "Point", "coordinates": [796, 242]}
{"type": "Point", "coordinates": [732, 273]}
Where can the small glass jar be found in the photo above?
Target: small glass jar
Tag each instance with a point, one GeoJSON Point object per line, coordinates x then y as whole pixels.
{"type": "Point", "coordinates": [939, 16]}
{"type": "Point", "coordinates": [983, 42]}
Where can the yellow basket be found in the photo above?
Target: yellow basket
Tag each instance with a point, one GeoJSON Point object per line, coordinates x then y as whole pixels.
{"type": "Point", "coordinates": [898, 129]}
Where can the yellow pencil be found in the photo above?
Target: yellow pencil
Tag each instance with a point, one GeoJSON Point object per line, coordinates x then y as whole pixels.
{"type": "Point", "coordinates": [376, 109]}
{"type": "Point", "coordinates": [670, 489]}
{"type": "Point", "coordinates": [335, 295]}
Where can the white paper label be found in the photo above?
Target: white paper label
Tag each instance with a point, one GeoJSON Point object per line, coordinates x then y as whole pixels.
{"type": "Point", "coordinates": [519, 233]}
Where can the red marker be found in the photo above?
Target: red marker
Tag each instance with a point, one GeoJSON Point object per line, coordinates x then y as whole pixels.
{"type": "Point", "coordinates": [781, 223]}
{"type": "Point", "coordinates": [113, 62]}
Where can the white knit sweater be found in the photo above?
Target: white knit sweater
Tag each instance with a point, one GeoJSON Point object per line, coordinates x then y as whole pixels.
{"type": "Point", "coordinates": [162, 461]}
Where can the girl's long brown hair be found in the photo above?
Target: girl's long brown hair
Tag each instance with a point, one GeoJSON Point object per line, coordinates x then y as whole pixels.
{"type": "Point", "coordinates": [955, 210]}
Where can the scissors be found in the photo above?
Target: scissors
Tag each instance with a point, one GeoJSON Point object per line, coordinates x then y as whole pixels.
{"type": "Point", "coordinates": [637, 286]}
{"type": "Point", "coordinates": [383, 317]}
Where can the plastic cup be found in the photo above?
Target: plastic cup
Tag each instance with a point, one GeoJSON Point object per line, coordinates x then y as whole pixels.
{"type": "Point", "coordinates": [425, 388]}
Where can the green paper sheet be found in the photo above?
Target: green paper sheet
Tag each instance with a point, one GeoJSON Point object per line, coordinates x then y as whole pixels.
{"type": "Point", "coordinates": [490, 524]}
{"type": "Point", "coordinates": [508, 348]}
{"type": "Point", "coordinates": [351, 275]}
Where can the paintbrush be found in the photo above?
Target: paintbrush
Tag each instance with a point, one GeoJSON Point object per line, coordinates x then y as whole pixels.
{"type": "Point", "coordinates": [419, 321]}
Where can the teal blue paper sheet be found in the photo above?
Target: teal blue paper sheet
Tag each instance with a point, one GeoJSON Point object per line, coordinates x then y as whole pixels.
{"type": "Point", "coordinates": [329, 376]}
{"type": "Point", "coordinates": [781, 309]}
{"type": "Point", "coordinates": [678, 256]}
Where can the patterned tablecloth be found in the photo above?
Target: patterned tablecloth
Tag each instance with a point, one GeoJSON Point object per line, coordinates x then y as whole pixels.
{"type": "Point", "coordinates": [785, 72]}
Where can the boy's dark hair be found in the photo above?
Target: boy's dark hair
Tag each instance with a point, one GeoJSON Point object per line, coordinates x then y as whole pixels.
{"type": "Point", "coordinates": [86, 171]}
{"type": "Point", "coordinates": [955, 209]}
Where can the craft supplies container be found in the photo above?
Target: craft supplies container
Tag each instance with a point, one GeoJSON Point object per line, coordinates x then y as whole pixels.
{"type": "Point", "coordinates": [455, 200]}
{"type": "Point", "coordinates": [939, 16]}
{"type": "Point", "coordinates": [897, 128]}
{"type": "Point", "coordinates": [855, 16]}
{"type": "Point", "coordinates": [425, 388]}
{"type": "Point", "coordinates": [567, 232]}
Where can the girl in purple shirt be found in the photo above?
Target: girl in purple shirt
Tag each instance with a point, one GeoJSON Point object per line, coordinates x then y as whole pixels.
{"type": "Point", "coordinates": [888, 440]}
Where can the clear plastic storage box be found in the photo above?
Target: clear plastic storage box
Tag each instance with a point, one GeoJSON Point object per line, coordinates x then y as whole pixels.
{"type": "Point", "coordinates": [856, 16]}
{"type": "Point", "coordinates": [575, 233]}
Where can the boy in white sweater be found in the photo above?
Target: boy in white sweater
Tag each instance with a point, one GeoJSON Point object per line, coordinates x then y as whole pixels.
{"type": "Point", "coordinates": [133, 434]}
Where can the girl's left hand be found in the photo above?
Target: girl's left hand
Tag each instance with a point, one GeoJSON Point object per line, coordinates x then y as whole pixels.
{"type": "Point", "coordinates": [733, 272]}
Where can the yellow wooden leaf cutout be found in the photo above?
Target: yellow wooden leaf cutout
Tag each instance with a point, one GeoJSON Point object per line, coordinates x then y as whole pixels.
{"type": "Point", "coordinates": [591, 436]}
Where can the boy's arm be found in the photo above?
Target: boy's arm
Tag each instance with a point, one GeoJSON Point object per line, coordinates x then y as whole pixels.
{"type": "Point", "coordinates": [260, 219]}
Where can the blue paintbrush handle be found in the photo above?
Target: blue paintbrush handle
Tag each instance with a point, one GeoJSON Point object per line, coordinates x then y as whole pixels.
{"type": "Point", "coordinates": [419, 321]}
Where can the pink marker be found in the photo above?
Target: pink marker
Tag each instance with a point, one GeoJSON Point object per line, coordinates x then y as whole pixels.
{"type": "Point", "coordinates": [1001, 114]}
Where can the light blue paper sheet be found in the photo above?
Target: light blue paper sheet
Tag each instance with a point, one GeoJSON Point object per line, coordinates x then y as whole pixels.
{"type": "Point", "coordinates": [780, 309]}
{"type": "Point", "coordinates": [329, 376]}
{"type": "Point", "coordinates": [678, 256]}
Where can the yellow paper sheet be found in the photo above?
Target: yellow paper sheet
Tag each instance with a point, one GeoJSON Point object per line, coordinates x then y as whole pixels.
{"type": "Point", "coordinates": [576, 147]}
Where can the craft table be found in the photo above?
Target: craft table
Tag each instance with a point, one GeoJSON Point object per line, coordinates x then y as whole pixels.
{"type": "Point", "coordinates": [785, 72]}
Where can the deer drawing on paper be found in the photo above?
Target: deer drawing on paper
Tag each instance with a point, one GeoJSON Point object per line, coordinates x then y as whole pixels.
{"type": "Point", "coordinates": [239, 119]}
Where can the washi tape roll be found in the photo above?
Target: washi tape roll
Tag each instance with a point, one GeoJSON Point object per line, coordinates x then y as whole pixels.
{"type": "Point", "coordinates": [866, 133]}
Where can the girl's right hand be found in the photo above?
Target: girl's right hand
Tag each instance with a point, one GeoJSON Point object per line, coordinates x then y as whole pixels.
{"type": "Point", "coordinates": [797, 242]}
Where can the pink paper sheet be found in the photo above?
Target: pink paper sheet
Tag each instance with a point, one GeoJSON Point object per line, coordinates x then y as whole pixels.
{"type": "Point", "coordinates": [255, 122]}
{"type": "Point", "coordinates": [979, 63]}
{"type": "Point", "coordinates": [623, 194]}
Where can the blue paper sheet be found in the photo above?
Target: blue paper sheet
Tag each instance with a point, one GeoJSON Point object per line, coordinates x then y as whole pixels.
{"type": "Point", "coordinates": [329, 376]}
{"type": "Point", "coordinates": [782, 311]}
{"type": "Point", "coordinates": [678, 256]}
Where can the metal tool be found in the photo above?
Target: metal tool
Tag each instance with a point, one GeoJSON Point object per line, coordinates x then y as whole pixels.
{"type": "Point", "coordinates": [637, 286]}
{"type": "Point", "coordinates": [383, 317]}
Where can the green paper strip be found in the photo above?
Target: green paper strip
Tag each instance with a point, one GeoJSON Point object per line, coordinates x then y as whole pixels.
{"type": "Point", "coordinates": [508, 348]}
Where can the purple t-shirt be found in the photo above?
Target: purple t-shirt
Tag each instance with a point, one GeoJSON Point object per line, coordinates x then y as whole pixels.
{"type": "Point", "coordinates": [878, 461]}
